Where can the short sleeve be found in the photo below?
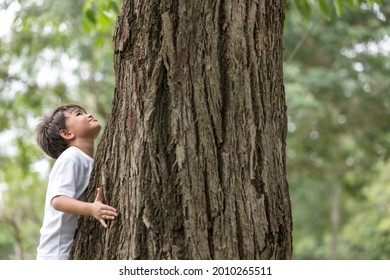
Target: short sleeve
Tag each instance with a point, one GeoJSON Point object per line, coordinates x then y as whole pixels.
{"type": "Point", "coordinates": [63, 178]}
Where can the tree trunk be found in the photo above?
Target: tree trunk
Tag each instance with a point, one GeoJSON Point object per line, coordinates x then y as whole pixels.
{"type": "Point", "coordinates": [193, 155]}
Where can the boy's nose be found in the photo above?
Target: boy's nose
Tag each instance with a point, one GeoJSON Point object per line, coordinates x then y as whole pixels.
{"type": "Point", "coordinates": [90, 117]}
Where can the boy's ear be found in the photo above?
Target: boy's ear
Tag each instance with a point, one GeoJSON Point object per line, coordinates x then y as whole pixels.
{"type": "Point", "coordinates": [66, 134]}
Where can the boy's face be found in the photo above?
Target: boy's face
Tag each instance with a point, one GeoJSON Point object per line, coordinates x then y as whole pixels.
{"type": "Point", "coordinates": [81, 124]}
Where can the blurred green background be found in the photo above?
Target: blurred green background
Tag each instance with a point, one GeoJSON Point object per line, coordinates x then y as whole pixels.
{"type": "Point", "coordinates": [337, 85]}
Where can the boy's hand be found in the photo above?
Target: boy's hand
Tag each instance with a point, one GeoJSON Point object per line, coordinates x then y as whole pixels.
{"type": "Point", "coordinates": [102, 212]}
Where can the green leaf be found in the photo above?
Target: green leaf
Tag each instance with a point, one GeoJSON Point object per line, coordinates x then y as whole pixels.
{"type": "Point", "coordinates": [339, 6]}
{"type": "Point", "coordinates": [325, 10]}
{"type": "Point", "coordinates": [104, 20]}
{"type": "Point", "coordinates": [91, 14]}
{"type": "Point", "coordinates": [351, 4]}
{"type": "Point", "coordinates": [114, 6]}
{"type": "Point", "coordinates": [87, 25]}
{"type": "Point", "coordinates": [99, 42]}
{"type": "Point", "coordinates": [304, 8]}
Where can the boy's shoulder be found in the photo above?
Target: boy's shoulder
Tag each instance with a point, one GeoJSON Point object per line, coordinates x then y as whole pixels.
{"type": "Point", "coordinates": [74, 153]}
{"type": "Point", "coordinates": [71, 159]}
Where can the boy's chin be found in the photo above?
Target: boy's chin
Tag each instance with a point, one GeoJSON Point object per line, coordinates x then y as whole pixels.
{"type": "Point", "coordinates": [97, 130]}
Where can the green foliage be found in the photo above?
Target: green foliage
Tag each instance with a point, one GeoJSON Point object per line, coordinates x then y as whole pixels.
{"type": "Point", "coordinates": [304, 8]}
{"type": "Point", "coordinates": [47, 59]}
{"type": "Point", "coordinates": [367, 235]}
{"type": "Point", "coordinates": [22, 200]}
{"type": "Point", "coordinates": [100, 15]}
{"type": "Point", "coordinates": [328, 8]}
{"type": "Point", "coordinates": [336, 86]}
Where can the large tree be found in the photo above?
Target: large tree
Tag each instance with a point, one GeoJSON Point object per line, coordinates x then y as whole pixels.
{"type": "Point", "coordinates": [193, 155]}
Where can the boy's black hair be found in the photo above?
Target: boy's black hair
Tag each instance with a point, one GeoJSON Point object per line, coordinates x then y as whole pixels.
{"type": "Point", "coordinates": [47, 132]}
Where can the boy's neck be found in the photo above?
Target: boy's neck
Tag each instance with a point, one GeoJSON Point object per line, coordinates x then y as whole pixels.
{"type": "Point", "coordinates": [86, 146]}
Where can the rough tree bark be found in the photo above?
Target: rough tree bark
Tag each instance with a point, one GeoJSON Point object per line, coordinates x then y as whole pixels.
{"type": "Point", "coordinates": [193, 155]}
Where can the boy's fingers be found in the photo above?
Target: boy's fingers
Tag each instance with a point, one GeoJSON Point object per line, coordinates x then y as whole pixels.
{"type": "Point", "coordinates": [103, 223]}
{"type": "Point", "coordinates": [109, 213]}
{"type": "Point", "coordinates": [108, 217]}
{"type": "Point", "coordinates": [99, 195]}
{"type": "Point", "coordinates": [109, 209]}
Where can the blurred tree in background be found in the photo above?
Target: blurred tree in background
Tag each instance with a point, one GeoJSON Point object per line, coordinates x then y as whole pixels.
{"type": "Point", "coordinates": [337, 89]}
{"type": "Point", "coordinates": [337, 85]}
{"type": "Point", "coordinates": [50, 56]}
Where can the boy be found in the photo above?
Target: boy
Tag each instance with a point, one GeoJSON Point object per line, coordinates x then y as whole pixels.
{"type": "Point", "coordinates": [68, 135]}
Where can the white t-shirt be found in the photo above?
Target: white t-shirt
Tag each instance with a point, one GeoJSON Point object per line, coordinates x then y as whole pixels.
{"type": "Point", "coordinates": [69, 176]}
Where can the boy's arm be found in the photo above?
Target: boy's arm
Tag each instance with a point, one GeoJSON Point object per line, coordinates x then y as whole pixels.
{"type": "Point", "coordinates": [97, 209]}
